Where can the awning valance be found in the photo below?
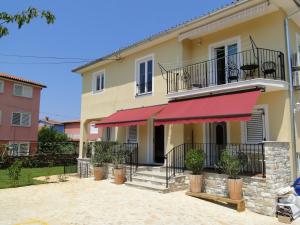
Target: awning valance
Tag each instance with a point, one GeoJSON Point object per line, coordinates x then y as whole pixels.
{"type": "Point", "coordinates": [130, 117]}
{"type": "Point", "coordinates": [228, 107]}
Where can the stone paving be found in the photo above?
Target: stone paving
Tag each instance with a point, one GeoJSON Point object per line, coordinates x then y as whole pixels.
{"type": "Point", "coordinates": [87, 202]}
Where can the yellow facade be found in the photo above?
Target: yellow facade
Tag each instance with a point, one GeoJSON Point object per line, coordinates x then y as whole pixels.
{"type": "Point", "coordinates": [120, 86]}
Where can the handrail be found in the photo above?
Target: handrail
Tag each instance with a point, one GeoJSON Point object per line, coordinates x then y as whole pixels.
{"type": "Point", "coordinates": [252, 157]}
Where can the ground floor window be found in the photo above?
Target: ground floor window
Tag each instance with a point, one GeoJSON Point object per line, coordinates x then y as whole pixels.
{"type": "Point", "coordinates": [108, 133]}
{"type": "Point", "coordinates": [132, 134]}
{"type": "Point", "coordinates": [18, 149]}
{"type": "Point", "coordinates": [255, 129]}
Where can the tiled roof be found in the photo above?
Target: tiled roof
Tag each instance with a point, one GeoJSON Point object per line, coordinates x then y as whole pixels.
{"type": "Point", "coordinates": [12, 77]}
{"type": "Point", "coordinates": [157, 35]}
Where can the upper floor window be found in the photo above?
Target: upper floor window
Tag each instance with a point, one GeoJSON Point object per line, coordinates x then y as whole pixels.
{"type": "Point", "coordinates": [21, 119]}
{"type": "Point", "coordinates": [144, 76]}
{"type": "Point", "coordinates": [23, 90]}
{"type": "Point", "coordinates": [98, 81]}
{"type": "Point", "coordinates": [1, 86]}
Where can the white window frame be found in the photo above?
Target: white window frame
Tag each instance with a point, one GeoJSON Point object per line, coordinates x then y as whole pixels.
{"type": "Point", "coordinates": [266, 123]}
{"type": "Point", "coordinates": [19, 148]}
{"type": "Point", "coordinates": [93, 129]}
{"type": "Point", "coordinates": [137, 133]}
{"type": "Point", "coordinates": [2, 89]}
{"type": "Point", "coordinates": [21, 115]}
{"type": "Point", "coordinates": [138, 61]}
{"type": "Point", "coordinates": [23, 93]}
{"type": "Point", "coordinates": [94, 81]}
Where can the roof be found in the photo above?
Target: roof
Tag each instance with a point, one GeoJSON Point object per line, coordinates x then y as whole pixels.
{"type": "Point", "coordinates": [20, 79]}
{"type": "Point", "coordinates": [159, 34]}
{"type": "Point", "coordinates": [71, 121]}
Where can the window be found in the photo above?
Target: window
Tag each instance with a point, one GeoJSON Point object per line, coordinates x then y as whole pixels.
{"type": "Point", "coordinates": [132, 134]}
{"type": "Point", "coordinates": [108, 134]}
{"type": "Point", "coordinates": [93, 129]}
{"type": "Point", "coordinates": [144, 76]}
{"type": "Point", "coordinates": [255, 128]}
{"type": "Point", "coordinates": [23, 91]}
{"type": "Point", "coordinates": [98, 82]}
{"type": "Point", "coordinates": [19, 149]}
{"type": "Point", "coordinates": [1, 86]}
{"type": "Point", "coordinates": [21, 119]}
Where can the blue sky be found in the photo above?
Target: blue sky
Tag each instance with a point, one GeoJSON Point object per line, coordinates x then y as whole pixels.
{"type": "Point", "coordinates": [84, 29]}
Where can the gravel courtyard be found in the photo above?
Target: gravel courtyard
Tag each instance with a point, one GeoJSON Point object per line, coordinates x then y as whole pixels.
{"type": "Point", "coordinates": [87, 202]}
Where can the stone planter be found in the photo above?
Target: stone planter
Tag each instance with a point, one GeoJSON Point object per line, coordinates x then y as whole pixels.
{"type": "Point", "coordinates": [196, 183]}
{"type": "Point", "coordinates": [99, 172]}
{"type": "Point", "coordinates": [120, 175]}
{"type": "Point", "coordinates": [235, 188]}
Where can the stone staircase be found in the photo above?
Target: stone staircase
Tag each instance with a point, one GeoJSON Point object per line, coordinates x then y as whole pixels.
{"type": "Point", "coordinates": [154, 178]}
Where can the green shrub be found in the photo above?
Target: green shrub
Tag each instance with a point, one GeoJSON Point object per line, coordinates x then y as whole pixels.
{"type": "Point", "coordinates": [230, 164]}
{"type": "Point", "coordinates": [195, 161]}
{"type": "Point", "coordinates": [14, 172]}
{"type": "Point", "coordinates": [101, 153]}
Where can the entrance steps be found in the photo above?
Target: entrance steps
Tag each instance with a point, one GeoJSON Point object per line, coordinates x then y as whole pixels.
{"type": "Point", "coordinates": [154, 178]}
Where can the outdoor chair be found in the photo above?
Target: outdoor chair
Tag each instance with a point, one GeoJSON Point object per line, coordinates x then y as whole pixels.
{"type": "Point", "coordinates": [269, 68]}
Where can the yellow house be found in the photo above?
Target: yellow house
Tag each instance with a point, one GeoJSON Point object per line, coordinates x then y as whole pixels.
{"type": "Point", "coordinates": [218, 81]}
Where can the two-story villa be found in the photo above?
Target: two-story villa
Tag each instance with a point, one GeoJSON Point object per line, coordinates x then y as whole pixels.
{"type": "Point", "coordinates": [218, 81]}
{"type": "Point", "coordinates": [19, 113]}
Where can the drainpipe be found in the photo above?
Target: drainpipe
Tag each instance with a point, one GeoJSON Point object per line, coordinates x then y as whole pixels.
{"type": "Point", "coordinates": [291, 95]}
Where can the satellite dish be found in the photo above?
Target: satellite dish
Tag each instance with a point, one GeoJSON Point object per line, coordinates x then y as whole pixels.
{"type": "Point", "coordinates": [297, 2]}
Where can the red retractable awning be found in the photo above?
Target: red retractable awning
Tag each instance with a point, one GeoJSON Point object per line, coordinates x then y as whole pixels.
{"type": "Point", "coordinates": [130, 117]}
{"type": "Point", "coordinates": [229, 107]}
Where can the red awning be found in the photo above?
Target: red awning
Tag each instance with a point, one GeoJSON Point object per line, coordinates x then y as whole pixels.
{"type": "Point", "coordinates": [229, 107]}
{"type": "Point", "coordinates": [130, 117]}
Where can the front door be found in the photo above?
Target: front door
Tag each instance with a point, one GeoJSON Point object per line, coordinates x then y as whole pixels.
{"type": "Point", "coordinates": [159, 144]}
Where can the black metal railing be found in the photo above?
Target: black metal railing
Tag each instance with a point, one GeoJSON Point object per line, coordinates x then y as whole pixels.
{"type": "Point", "coordinates": [251, 156]}
{"type": "Point", "coordinates": [245, 65]}
{"type": "Point", "coordinates": [129, 151]}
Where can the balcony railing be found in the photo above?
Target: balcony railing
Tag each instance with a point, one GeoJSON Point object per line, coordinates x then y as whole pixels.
{"type": "Point", "coordinates": [245, 65]}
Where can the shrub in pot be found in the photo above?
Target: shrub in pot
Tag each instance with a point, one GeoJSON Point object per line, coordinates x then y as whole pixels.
{"type": "Point", "coordinates": [195, 162]}
{"type": "Point", "coordinates": [231, 166]}
{"type": "Point", "coordinates": [119, 171]}
{"type": "Point", "coordinates": [99, 158]}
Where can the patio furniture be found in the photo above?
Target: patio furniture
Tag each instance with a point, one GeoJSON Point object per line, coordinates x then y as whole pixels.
{"type": "Point", "coordinates": [233, 72]}
{"type": "Point", "coordinates": [268, 68]}
{"type": "Point", "coordinates": [240, 204]}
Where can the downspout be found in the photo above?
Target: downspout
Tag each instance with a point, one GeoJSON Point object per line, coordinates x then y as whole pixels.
{"type": "Point", "coordinates": [291, 95]}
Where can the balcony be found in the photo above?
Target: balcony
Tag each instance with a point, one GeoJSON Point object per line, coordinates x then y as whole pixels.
{"type": "Point", "coordinates": [243, 66]}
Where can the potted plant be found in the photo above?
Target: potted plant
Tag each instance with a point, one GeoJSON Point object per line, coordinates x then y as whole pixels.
{"type": "Point", "coordinates": [231, 166]}
{"type": "Point", "coordinates": [119, 171]}
{"type": "Point", "coordinates": [195, 162]}
{"type": "Point", "coordinates": [99, 158]}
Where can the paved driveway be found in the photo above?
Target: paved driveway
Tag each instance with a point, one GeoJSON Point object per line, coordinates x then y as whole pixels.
{"type": "Point", "coordinates": [87, 202]}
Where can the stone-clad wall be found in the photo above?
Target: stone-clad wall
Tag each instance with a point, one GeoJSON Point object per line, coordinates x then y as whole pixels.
{"type": "Point", "coordinates": [259, 193]}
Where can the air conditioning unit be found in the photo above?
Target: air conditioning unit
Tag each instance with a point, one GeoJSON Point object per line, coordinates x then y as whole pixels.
{"type": "Point", "coordinates": [296, 74]}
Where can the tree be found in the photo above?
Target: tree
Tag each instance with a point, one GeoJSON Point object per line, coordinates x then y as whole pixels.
{"type": "Point", "coordinates": [52, 141]}
{"type": "Point", "coordinates": [23, 18]}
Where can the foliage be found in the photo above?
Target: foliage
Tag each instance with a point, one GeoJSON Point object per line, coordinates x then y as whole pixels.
{"type": "Point", "coordinates": [101, 153]}
{"type": "Point", "coordinates": [14, 172]}
{"type": "Point", "coordinates": [23, 18]}
{"type": "Point", "coordinates": [195, 161]}
{"type": "Point", "coordinates": [119, 158]}
{"type": "Point", "coordinates": [52, 141]}
{"type": "Point", "coordinates": [230, 164]}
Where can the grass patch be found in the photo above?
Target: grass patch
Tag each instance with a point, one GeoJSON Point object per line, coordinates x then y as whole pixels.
{"type": "Point", "coordinates": [27, 175]}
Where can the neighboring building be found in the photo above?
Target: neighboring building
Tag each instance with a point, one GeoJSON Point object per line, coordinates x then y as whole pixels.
{"type": "Point", "coordinates": [58, 126]}
{"type": "Point", "coordinates": [19, 113]}
{"type": "Point", "coordinates": [72, 129]}
{"type": "Point", "coordinates": [218, 81]}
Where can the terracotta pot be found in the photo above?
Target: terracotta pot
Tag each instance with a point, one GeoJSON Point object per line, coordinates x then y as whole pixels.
{"type": "Point", "coordinates": [235, 188]}
{"type": "Point", "coordinates": [99, 172]}
{"type": "Point", "coordinates": [119, 174]}
{"type": "Point", "coordinates": [196, 183]}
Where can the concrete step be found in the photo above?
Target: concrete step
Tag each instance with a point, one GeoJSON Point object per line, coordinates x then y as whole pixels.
{"type": "Point", "coordinates": [155, 174]}
{"type": "Point", "coordinates": [149, 180]}
{"type": "Point", "coordinates": [147, 186]}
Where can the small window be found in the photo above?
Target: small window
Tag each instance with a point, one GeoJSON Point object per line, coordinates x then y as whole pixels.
{"type": "Point", "coordinates": [98, 82]}
{"type": "Point", "coordinates": [132, 134]}
{"type": "Point", "coordinates": [1, 86]}
{"type": "Point", "coordinates": [93, 129]}
{"type": "Point", "coordinates": [23, 91]}
{"type": "Point", "coordinates": [21, 119]}
{"type": "Point", "coordinates": [255, 128]}
{"type": "Point", "coordinates": [144, 76]}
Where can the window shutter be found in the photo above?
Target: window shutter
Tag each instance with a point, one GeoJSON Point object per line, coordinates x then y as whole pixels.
{"type": "Point", "coordinates": [26, 119]}
{"type": "Point", "coordinates": [18, 90]}
{"type": "Point", "coordinates": [255, 127]}
{"type": "Point", "coordinates": [132, 134]}
{"type": "Point", "coordinates": [16, 119]}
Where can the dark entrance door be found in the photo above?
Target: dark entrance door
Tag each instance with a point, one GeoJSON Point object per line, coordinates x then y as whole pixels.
{"type": "Point", "coordinates": [159, 144]}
